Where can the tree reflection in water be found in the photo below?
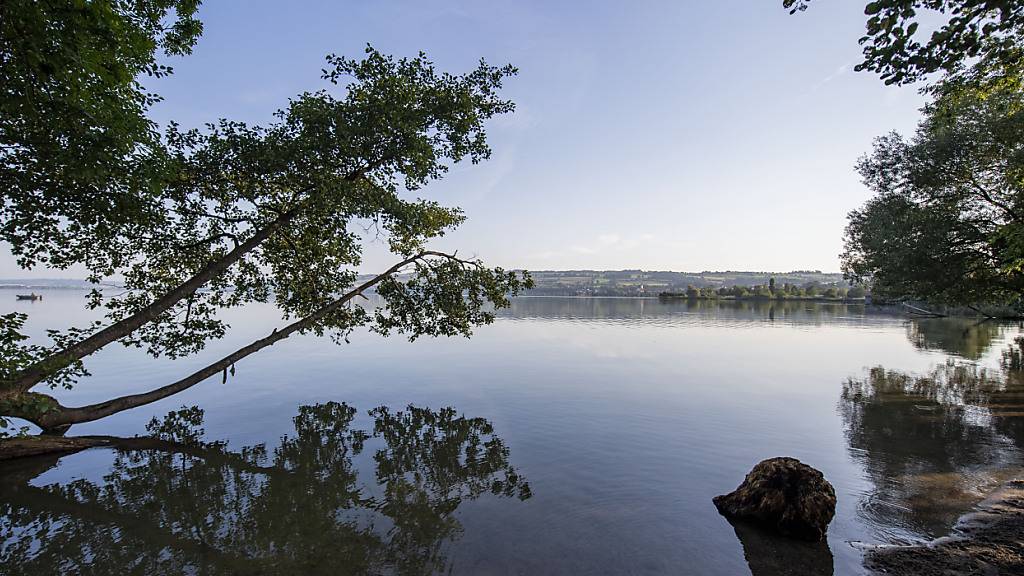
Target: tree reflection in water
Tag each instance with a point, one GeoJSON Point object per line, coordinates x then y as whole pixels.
{"type": "Point", "coordinates": [932, 445]}
{"type": "Point", "coordinates": [173, 504]}
{"type": "Point", "coordinates": [966, 337]}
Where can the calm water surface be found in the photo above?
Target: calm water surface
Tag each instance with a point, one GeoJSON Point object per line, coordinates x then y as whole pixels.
{"type": "Point", "coordinates": [574, 435]}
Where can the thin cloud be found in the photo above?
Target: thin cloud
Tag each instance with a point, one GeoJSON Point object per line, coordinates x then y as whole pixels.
{"type": "Point", "coordinates": [840, 71]}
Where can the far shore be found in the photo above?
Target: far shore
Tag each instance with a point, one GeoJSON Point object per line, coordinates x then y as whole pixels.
{"type": "Point", "coordinates": [756, 298]}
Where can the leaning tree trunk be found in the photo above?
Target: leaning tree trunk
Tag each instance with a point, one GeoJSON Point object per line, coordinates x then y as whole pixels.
{"type": "Point", "coordinates": [55, 419]}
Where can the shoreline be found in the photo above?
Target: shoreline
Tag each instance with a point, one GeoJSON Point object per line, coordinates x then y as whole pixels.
{"type": "Point", "coordinates": [987, 540]}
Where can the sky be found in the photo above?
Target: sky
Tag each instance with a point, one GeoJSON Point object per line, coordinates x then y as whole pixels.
{"type": "Point", "coordinates": [660, 135]}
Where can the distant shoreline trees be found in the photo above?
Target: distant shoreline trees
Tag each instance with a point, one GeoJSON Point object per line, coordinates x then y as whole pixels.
{"type": "Point", "coordinates": [811, 291]}
{"type": "Point", "coordinates": [639, 283]}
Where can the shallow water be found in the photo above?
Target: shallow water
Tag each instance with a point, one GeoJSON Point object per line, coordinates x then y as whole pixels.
{"type": "Point", "coordinates": [588, 436]}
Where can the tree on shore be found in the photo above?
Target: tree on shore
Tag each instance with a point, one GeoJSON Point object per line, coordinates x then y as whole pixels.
{"type": "Point", "coordinates": [196, 221]}
{"type": "Point", "coordinates": [947, 221]}
{"type": "Point", "coordinates": [945, 224]}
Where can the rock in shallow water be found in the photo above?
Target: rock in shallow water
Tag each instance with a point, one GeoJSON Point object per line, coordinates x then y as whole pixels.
{"type": "Point", "coordinates": [785, 495]}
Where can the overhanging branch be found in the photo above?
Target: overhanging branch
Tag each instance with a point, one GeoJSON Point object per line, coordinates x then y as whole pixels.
{"type": "Point", "coordinates": [65, 416]}
{"type": "Point", "coordinates": [38, 371]}
{"type": "Point", "coordinates": [41, 369]}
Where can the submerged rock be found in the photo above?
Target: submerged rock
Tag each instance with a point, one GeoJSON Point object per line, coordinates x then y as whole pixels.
{"type": "Point", "coordinates": [785, 495]}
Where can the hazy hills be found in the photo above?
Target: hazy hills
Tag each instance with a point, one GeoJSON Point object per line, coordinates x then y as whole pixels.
{"type": "Point", "coordinates": [576, 282]}
{"type": "Point", "coordinates": [650, 283]}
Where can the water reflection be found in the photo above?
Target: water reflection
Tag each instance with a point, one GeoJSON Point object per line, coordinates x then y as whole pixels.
{"type": "Point", "coordinates": [932, 445]}
{"type": "Point", "coordinates": [692, 312]}
{"type": "Point", "coordinates": [769, 554]}
{"type": "Point", "coordinates": [173, 504]}
{"type": "Point", "coordinates": [966, 337]}
{"type": "Point", "coordinates": [628, 414]}
{"type": "Point", "coordinates": [969, 338]}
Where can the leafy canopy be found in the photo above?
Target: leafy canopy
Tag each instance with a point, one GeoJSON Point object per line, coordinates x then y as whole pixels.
{"type": "Point", "coordinates": [327, 166]}
{"type": "Point", "coordinates": [198, 220]}
{"type": "Point", "coordinates": [945, 224]}
{"type": "Point", "coordinates": [947, 221]}
{"type": "Point", "coordinates": [895, 46]}
{"type": "Point", "coordinates": [77, 152]}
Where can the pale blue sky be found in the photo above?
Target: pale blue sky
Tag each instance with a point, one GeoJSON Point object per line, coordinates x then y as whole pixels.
{"type": "Point", "coordinates": [672, 135]}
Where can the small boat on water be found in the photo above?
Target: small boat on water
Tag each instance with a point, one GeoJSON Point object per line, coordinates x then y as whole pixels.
{"type": "Point", "coordinates": [32, 296]}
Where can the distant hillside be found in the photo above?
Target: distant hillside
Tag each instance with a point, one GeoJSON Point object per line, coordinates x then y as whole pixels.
{"type": "Point", "coordinates": [575, 282]}
{"type": "Point", "coordinates": [651, 283]}
{"type": "Point", "coordinates": [49, 283]}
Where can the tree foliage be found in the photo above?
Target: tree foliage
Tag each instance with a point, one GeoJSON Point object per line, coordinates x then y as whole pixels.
{"type": "Point", "coordinates": [946, 222]}
{"type": "Point", "coordinates": [77, 151]}
{"type": "Point", "coordinates": [901, 52]}
{"type": "Point", "coordinates": [198, 220]}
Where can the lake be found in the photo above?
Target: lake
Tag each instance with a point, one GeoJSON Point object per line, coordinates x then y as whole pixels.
{"type": "Point", "coordinates": [574, 435]}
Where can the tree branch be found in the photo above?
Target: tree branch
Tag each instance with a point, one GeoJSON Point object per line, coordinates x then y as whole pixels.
{"type": "Point", "coordinates": [64, 416]}
{"type": "Point", "coordinates": [38, 371]}
{"type": "Point", "coordinates": [985, 194]}
{"type": "Point", "coordinates": [210, 239]}
{"type": "Point", "coordinates": [225, 219]}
